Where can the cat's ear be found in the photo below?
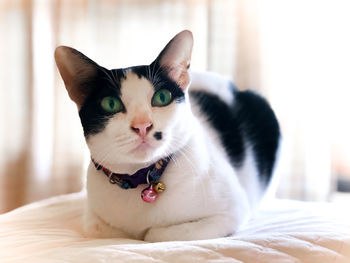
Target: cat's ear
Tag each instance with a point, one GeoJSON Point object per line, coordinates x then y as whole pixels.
{"type": "Point", "coordinates": [76, 70]}
{"type": "Point", "coordinates": [176, 58]}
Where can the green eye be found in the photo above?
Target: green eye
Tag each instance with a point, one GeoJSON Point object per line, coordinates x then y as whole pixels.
{"type": "Point", "coordinates": [162, 98]}
{"type": "Point", "coordinates": [111, 104]}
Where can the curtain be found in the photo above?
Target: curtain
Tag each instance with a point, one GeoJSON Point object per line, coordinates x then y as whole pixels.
{"type": "Point", "coordinates": [253, 42]}
{"type": "Point", "coordinates": [305, 61]}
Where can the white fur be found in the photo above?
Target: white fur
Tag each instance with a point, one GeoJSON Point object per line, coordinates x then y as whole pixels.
{"type": "Point", "coordinates": [213, 83]}
{"type": "Point", "coordinates": [204, 197]}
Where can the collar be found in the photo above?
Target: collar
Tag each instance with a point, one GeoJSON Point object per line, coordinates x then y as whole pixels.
{"type": "Point", "coordinates": [148, 175]}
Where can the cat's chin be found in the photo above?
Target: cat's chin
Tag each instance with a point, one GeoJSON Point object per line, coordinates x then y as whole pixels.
{"type": "Point", "coordinates": [144, 152]}
{"type": "Point", "coordinates": [143, 147]}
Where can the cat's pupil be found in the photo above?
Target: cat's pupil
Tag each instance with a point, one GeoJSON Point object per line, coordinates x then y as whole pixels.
{"type": "Point", "coordinates": [162, 97]}
{"type": "Point", "coordinates": [111, 104]}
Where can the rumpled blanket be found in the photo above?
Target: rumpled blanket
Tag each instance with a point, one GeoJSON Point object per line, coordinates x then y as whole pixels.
{"type": "Point", "coordinates": [282, 231]}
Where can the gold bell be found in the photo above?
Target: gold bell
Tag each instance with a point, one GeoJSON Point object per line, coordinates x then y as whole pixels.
{"type": "Point", "coordinates": [159, 187]}
{"type": "Point", "coordinates": [159, 165]}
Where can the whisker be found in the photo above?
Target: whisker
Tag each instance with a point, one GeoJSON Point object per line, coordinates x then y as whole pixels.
{"type": "Point", "coordinates": [156, 76]}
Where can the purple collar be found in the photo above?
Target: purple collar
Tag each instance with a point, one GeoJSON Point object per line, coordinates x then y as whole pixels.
{"type": "Point", "coordinates": [148, 175]}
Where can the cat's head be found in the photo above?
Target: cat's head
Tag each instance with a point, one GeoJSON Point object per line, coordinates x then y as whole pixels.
{"type": "Point", "coordinates": [132, 115]}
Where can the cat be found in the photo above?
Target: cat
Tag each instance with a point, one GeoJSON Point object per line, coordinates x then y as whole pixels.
{"type": "Point", "coordinates": [175, 155]}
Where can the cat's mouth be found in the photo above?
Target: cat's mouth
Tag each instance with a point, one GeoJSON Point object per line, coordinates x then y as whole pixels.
{"type": "Point", "coordinates": [143, 147]}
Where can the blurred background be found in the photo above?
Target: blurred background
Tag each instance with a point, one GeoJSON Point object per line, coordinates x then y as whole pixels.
{"type": "Point", "coordinates": [294, 52]}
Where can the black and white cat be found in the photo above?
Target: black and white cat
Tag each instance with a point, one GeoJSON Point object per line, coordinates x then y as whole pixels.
{"type": "Point", "coordinates": [175, 155]}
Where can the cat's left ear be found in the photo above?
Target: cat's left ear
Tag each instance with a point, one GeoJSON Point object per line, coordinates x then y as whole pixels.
{"type": "Point", "coordinates": [176, 58]}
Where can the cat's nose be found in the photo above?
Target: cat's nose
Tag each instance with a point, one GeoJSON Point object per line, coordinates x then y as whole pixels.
{"type": "Point", "coordinates": [142, 128]}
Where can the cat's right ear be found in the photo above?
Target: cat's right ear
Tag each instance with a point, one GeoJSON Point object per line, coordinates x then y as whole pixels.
{"type": "Point", "coordinates": [76, 70]}
{"type": "Point", "coordinates": [176, 56]}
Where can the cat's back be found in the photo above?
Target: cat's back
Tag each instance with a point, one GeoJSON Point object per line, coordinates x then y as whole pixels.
{"type": "Point", "coordinates": [243, 120]}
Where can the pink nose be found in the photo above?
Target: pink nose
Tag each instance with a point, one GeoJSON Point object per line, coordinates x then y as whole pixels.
{"type": "Point", "coordinates": [142, 129]}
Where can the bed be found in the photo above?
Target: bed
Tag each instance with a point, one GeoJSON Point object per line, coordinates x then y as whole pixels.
{"type": "Point", "coordinates": [282, 231]}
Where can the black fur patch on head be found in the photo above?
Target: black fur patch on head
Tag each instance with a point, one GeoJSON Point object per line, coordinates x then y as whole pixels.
{"type": "Point", "coordinates": [248, 120]}
{"type": "Point", "coordinates": [106, 83]}
{"type": "Point", "coordinates": [158, 135]}
{"type": "Point", "coordinates": [160, 80]}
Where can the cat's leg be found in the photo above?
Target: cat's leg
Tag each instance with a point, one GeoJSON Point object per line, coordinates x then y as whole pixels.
{"type": "Point", "coordinates": [94, 226]}
{"type": "Point", "coordinates": [204, 228]}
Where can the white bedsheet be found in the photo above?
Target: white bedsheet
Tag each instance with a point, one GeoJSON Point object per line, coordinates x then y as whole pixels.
{"type": "Point", "coordinates": [285, 231]}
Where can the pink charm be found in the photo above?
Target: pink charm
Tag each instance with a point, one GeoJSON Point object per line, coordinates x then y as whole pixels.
{"type": "Point", "coordinates": [149, 195]}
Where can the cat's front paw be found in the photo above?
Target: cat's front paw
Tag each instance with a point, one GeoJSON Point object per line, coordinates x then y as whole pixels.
{"type": "Point", "coordinates": [182, 232]}
{"type": "Point", "coordinates": [93, 230]}
{"type": "Point", "coordinates": [157, 235]}
{"type": "Point", "coordinates": [202, 228]}
{"type": "Point", "coordinates": [101, 230]}
{"type": "Point", "coordinates": [94, 227]}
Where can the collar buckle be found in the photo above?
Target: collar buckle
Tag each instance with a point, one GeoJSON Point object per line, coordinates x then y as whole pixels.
{"type": "Point", "coordinates": [111, 178]}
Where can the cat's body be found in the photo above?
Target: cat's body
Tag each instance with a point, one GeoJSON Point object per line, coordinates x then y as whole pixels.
{"type": "Point", "coordinates": [222, 144]}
